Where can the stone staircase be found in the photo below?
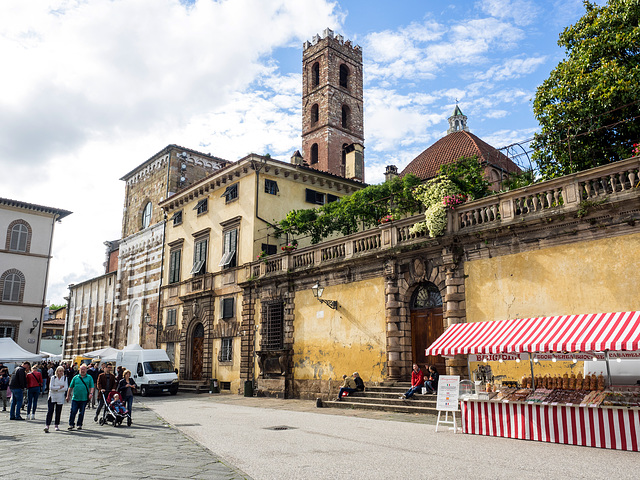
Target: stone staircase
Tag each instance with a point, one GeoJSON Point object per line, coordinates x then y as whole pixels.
{"type": "Point", "coordinates": [194, 386]}
{"type": "Point", "coordinates": [385, 398]}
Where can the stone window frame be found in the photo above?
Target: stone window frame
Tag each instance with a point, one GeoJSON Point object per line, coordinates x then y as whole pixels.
{"type": "Point", "coordinates": [227, 308]}
{"type": "Point", "coordinates": [21, 279]}
{"type": "Point", "coordinates": [226, 350]}
{"type": "Point", "coordinates": [175, 264]}
{"type": "Point", "coordinates": [172, 316]}
{"type": "Point", "coordinates": [270, 323]}
{"type": "Point", "coordinates": [231, 193]}
{"type": "Point", "coordinates": [10, 228]}
{"type": "Point", "coordinates": [200, 268]}
{"type": "Point", "coordinates": [8, 324]}
{"type": "Point", "coordinates": [315, 154]}
{"type": "Point", "coordinates": [177, 218]}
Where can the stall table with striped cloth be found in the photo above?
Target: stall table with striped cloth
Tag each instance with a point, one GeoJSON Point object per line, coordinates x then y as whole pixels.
{"type": "Point", "coordinates": [607, 427]}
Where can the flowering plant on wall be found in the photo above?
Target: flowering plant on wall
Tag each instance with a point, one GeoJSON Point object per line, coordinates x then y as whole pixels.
{"type": "Point", "coordinates": [452, 201]}
{"type": "Point", "coordinates": [432, 195]}
{"type": "Point", "coordinates": [636, 150]}
{"type": "Point", "coordinates": [290, 247]}
{"type": "Point", "coordinates": [262, 256]}
{"type": "Point", "coordinates": [387, 219]}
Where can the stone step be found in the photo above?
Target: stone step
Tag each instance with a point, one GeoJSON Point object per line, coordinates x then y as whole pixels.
{"type": "Point", "coordinates": [416, 400]}
{"type": "Point", "coordinates": [399, 408]}
{"type": "Point", "coordinates": [197, 386]}
{"type": "Point", "coordinates": [391, 395]}
{"type": "Point", "coordinates": [398, 390]}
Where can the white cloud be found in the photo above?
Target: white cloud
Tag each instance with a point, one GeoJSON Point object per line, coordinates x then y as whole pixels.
{"type": "Point", "coordinates": [512, 68]}
{"type": "Point", "coordinates": [91, 89]}
{"type": "Point", "coordinates": [521, 12]}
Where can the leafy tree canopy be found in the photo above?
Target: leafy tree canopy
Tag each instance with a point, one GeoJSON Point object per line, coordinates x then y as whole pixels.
{"type": "Point", "coordinates": [364, 208]}
{"type": "Point", "coordinates": [468, 175]}
{"type": "Point", "coordinates": [588, 106]}
{"type": "Point", "coordinates": [54, 307]}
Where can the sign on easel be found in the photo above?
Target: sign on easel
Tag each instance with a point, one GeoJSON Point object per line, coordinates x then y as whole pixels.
{"type": "Point", "coordinates": [447, 401]}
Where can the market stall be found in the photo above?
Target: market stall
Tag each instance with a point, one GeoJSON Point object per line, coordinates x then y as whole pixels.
{"type": "Point", "coordinates": [573, 409]}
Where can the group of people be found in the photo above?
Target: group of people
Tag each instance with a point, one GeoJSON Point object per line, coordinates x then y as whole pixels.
{"type": "Point", "coordinates": [418, 381]}
{"type": "Point", "coordinates": [66, 383]}
{"type": "Point", "coordinates": [350, 384]}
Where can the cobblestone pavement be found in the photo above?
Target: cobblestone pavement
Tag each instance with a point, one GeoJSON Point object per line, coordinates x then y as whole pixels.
{"type": "Point", "coordinates": [150, 448]}
{"type": "Point", "coordinates": [328, 443]}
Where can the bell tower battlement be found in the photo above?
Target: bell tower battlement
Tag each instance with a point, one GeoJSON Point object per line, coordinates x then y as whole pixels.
{"type": "Point", "coordinates": [332, 106]}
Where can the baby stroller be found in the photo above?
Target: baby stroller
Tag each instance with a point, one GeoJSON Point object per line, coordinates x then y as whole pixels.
{"type": "Point", "coordinates": [110, 415]}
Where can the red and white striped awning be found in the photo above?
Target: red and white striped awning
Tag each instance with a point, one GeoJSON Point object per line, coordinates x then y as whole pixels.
{"type": "Point", "coordinates": [570, 333]}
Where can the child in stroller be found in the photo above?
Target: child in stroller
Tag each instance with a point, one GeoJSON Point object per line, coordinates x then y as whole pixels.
{"type": "Point", "coordinates": [114, 411]}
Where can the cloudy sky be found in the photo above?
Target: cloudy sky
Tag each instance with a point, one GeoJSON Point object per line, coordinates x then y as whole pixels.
{"type": "Point", "coordinates": [92, 88]}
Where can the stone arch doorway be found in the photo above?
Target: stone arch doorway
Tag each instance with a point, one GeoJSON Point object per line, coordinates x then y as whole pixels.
{"type": "Point", "coordinates": [197, 352]}
{"type": "Point", "coordinates": [426, 324]}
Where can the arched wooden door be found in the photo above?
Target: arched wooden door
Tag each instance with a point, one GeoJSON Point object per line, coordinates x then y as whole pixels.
{"type": "Point", "coordinates": [426, 324]}
{"type": "Point", "coordinates": [197, 352]}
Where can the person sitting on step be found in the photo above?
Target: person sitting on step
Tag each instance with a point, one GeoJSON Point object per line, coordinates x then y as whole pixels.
{"type": "Point", "coordinates": [417, 379]}
{"type": "Point", "coordinates": [359, 382]}
{"type": "Point", "coordinates": [349, 386]}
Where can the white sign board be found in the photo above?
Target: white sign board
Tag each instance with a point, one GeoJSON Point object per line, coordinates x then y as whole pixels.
{"type": "Point", "coordinates": [448, 390]}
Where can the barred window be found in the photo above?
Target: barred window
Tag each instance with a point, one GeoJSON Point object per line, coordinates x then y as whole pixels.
{"type": "Point", "coordinates": [226, 350]}
{"type": "Point", "coordinates": [273, 325]}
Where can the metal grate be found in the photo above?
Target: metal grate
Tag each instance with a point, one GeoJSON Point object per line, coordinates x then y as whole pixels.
{"type": "Point", "coordinates": [280, 427]}
{"type": "Point", "coordinates": [272, 325]}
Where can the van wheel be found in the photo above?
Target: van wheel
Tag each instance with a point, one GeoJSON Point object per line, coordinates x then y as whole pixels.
{"type": "Point", "coordinates": [174, 391]}
{"type": "Point", "coordinates": [143, 391]}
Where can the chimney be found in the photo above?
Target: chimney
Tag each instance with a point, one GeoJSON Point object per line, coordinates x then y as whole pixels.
{"type": "Point", "coordinates": [390, 172]}
{"type": "Point", "coordinates": [296, 158]}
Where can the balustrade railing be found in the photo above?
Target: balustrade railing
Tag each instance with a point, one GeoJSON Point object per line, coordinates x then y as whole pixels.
{"type": "Point", "coordinates": [560, 194]}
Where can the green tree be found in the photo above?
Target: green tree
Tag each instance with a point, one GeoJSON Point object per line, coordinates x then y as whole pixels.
{"type": "Point", "coordinates": [587, 108]}
{"type": "Point", "coordinates": [468, 174]}
{"type": "Point", "coordinates": [364, 208]}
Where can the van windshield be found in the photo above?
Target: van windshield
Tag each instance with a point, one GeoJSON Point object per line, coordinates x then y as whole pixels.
{"type": "Point", "coordinates": [158, 367]}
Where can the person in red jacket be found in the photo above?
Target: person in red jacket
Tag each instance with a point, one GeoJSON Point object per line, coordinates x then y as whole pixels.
{"type": "Point", "coordinates": [417, 379]}
{"type": "Point", "coordinates": [34, 384]}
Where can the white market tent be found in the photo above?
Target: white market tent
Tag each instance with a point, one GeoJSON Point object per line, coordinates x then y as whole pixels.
{"type": "Point", "coordinates": [51, 356]}
{"type": "Point", "coordinates": [107, 354]}
{"type": "Point", "coordinates": [10, 351]}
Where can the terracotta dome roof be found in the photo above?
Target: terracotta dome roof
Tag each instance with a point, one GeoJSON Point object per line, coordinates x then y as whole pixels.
{"type": "Point", "coordinates": [450, 148]}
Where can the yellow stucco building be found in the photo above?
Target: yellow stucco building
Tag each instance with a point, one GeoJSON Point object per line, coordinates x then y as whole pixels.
{"type": "Point", "coordinates": [215, 229]}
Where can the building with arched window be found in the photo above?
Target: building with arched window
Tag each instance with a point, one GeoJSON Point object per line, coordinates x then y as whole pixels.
{"type": "Point", "coordinates": [27, 230]}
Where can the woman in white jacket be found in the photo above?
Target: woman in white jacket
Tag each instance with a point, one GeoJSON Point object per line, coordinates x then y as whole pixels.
{"type": "Point", "coordinates": [58, 387]}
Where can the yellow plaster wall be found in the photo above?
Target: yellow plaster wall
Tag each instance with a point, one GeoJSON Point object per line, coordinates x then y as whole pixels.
{"type": "Point", "coordinates": [585, 277]}
{"type": "Point", "coordinates": [329, 343]}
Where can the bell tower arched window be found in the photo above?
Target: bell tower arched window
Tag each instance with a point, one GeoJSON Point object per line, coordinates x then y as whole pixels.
{"type": "Point", "coordinates": [315, 114]}
{"type": "Point", "coordinates": [346, 114]}
{"type": "Point", "coordinates": [315, 74]}
{"type": "Point", "coordinates": [344, 76]}
{"type": "Point", "coordinates": [314, 153]}
{"type": "Point", "coordinates": [146, 215]}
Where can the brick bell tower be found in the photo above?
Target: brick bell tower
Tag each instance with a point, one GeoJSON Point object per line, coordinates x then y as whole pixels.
{"type": "Point", "coordinates": [332, 106]}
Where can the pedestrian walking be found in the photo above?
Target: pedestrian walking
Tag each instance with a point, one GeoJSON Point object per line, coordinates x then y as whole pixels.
{"type": "Point", "coordinates": [58, 386]}
{"type": "Point", "coordinates": [45, 378]}
{"type": "Point", "coordinates": [34, 384]}
{"type": "Point", "coordinates": [94, 372]}
{"type": "Point", "coordinates": [4, 386]}
{"type": "Point", "coordinates": [106, 383]}
{"type": "Point", "coordinates": [80, 391]}
{"type": "Point", "coordinates": [126, 387]}
{"type": "Point", "coordinates": [18, 384]}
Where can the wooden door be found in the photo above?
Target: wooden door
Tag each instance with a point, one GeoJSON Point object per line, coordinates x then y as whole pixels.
{"type": "Point", "coordinates": [426, 327]}
{"type": "Point", "coordinates": [197, 353]}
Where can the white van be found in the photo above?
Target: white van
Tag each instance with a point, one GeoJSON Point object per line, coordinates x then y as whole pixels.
{"type": "Point", "coordinates": [151, 369]}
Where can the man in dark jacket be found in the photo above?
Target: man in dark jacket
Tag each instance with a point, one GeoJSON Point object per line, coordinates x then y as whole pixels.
{"type": "Point", "coordinates": [17, 385]}
{"type": "Point", "coordinates": [106, 383]}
